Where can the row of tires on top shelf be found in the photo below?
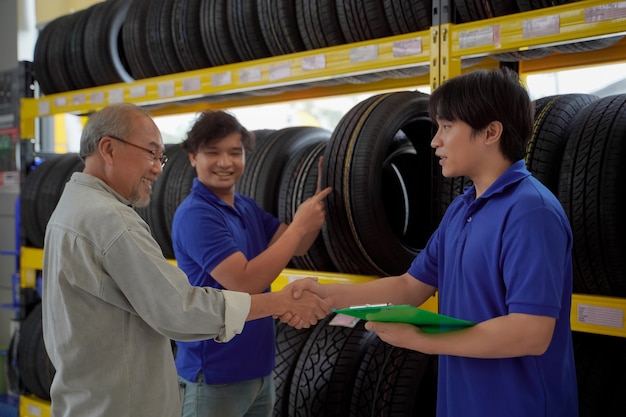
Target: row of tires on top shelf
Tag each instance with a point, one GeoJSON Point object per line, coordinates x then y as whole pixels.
{"type": "Point", "coordinates": [126, 40]}
{"type": "Point", "coordinates": [388, 198]}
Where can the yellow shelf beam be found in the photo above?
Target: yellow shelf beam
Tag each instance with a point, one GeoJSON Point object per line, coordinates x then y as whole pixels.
{"type": "Point", "coordinates": [31, 406]}
{"type": "Point", "coordinates": [590, 313]}
{"type": "Point", "coordinates": [573, 22]}
{"type": "Point", "coordinates": [247, 79]}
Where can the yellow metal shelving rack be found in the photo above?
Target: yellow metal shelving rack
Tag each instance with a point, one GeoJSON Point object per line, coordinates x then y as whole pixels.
{"type": "Point", "coordinates": [440, 49]}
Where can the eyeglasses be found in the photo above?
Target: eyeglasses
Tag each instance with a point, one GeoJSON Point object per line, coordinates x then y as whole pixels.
{"type": "Point", "coordinates": [162, 159]}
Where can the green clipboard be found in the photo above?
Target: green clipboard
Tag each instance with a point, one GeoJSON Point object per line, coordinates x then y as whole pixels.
{"type": "Point", "coordinates": [426, 320]}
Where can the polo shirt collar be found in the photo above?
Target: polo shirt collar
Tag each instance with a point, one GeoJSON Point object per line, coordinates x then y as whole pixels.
{"type": "Point", "coordinates": [514, 174]}
{"type": "Point", "coordinates": [205, 193]}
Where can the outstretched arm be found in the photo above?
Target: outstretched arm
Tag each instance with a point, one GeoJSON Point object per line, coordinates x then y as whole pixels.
{"type": "Point", "coordinates": [402, 289]}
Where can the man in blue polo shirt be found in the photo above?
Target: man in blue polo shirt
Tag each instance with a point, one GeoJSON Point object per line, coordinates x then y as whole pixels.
{"type": "Point", "coordinates": [501, 257]}
{"type": "Point", "coordinates": [225, 240]}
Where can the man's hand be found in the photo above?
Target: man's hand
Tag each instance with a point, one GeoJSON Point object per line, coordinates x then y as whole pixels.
{"type": "Point", "coordinates": [402, 335]}
{"type": "Point", "coordinates": [311, 214]}
{"type": "Point", "coordinates": [298, 289]}
{"type": "Point", "coordinates": [306, 310]}
{"type": "Point", "coordinates": [298, 286]}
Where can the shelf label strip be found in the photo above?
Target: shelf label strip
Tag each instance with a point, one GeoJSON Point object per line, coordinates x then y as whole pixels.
{"type": "Point", "coordinates": [601, 316]}
{"type": "Point", "coordinates": [605, 12]}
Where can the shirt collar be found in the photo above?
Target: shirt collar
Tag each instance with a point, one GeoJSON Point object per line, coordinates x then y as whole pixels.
{"type": "Point", "coordinates": [205, 193]}
{"type": "Point", "coordinates": [92, 181]}
{"type": "Point", "coordinates": [514, 174]}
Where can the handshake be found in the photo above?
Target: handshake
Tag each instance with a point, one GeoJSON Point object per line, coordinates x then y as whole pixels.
{"type": "Point", "coordinates": [305, 302]}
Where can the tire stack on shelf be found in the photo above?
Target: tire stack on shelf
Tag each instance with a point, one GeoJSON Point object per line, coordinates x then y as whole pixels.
{"type": "Point", "coordinates": [389, 194]}
{"type": "Point", "coordinates": [122, 41]}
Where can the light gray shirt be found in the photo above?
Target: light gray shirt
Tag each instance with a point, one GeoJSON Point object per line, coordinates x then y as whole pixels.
{"type": "Point", "coordinates": [111, 304]}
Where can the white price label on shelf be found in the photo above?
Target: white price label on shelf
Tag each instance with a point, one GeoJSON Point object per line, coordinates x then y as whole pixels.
{"type": "Point", "coordinates": [79, 99]}
{"type": "Point", "coordinates": [138, 91]}
{"type": "Point", "coordinates": [43, 108]}
{"type": "Point", "coordinates": [33, 410]}
{"type": "Point", "coordinates": [250, 75]}
{"type": "Point", "coordinates": [280, 71]}
{"type": "Point", "coordinates": [541, 26]}
{"type": "Point", "coordinates": [605, 12]}
{"type": "Point", "coordinates": [364, 53]}
{"type": "Point", "coordinates": [315, 62]}
{"type": "Point", "coordinates": [116, 95]}
{"type": "Point", "coordinates": [601, 316]}
{"type": "Point", "coordinates": [97, 98]}
{"type": "Point", "coordinates": [191, 84]}
{"type": "Point", "coordinates": [408, 47]}
{"type": "Point", "coordinates": [166, 89]}
{"type": "Point", "coordinates": [221, 79]}
{"type": "Point", "coordinates": [478, 37]}
{"type": "Point", "coordinates": [60, 101]}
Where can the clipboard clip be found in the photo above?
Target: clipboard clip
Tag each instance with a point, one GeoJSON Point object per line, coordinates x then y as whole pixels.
{"type": "Point", "coordinates": [371, 305]}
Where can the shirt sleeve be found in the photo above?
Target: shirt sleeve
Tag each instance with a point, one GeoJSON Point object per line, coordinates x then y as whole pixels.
{"type": "Point", "coordinates": [237, 309]}
{"type": "Point", "coordinates": [139, 279]}
{"type": "Point", "coordinates": [536, 262]}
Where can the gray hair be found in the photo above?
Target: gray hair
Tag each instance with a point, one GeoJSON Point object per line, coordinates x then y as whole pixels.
{"type": "Point", "coordinates": [115, 119]}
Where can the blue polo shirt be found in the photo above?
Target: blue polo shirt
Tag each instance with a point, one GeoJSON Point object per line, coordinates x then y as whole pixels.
{"type": "Point", "coordinates": [509, 251]}
{"type": "Point", "coordinates": [205, 231]}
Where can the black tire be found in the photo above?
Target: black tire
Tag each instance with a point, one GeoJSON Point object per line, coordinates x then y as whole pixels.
{"type": "Point", "coordinates": [299, 182]}
{"type": "Point", "coordinates": [553, 120]}
{"type": "Point", "coordinates": [600, 373]}
{"type": "Point", "coordinates": [187, 35]}
{"type": "Point", "coordinates": [358, 233]}
{"type": "Point", "coordinates": [318, 23]}
{"type": "Point", "coordinates": [280, 27]}
{"type": "Point", "coordinates": [216, 39]}
{"type": "Point", "coordinates": [105, 61]}
{"type": "Point", "coordinates": [53, 187]}
{"type": "Point", "coordinates": [590, 188]}
{"type": "Point", "coordinates": [585, 46]}
{"type": "Point", "coordinates": [75, 64]}
{"type": "Point", "coordinates": [395, 382]}
{"type": "Point", "coordinates": [323, 381]}
{"type": "Point", "coordinates": [265, 166]}
{"type": "Point", "coordinates": [135, 41]}
{"type": "Point", "coordinates": [35, 369]}
{"type": "Point", "coordinates": [289, 343]}
{"type": "Point", "coordinates": [361, 20]}
{"type": "Point", "coordinates": [407, 16]}
{"type": "Point", "coordinates": [159, 41]}
{"type": "Point", "coordinates": [245, 29]}
{"type": "Point", "coordinates": [40, 64]}
{"type": "Point", "coordinates": [30, 203]}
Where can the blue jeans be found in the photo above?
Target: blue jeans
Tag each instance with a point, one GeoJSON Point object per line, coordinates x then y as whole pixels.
{"type": "Point", "coordinates": [252, 398]}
